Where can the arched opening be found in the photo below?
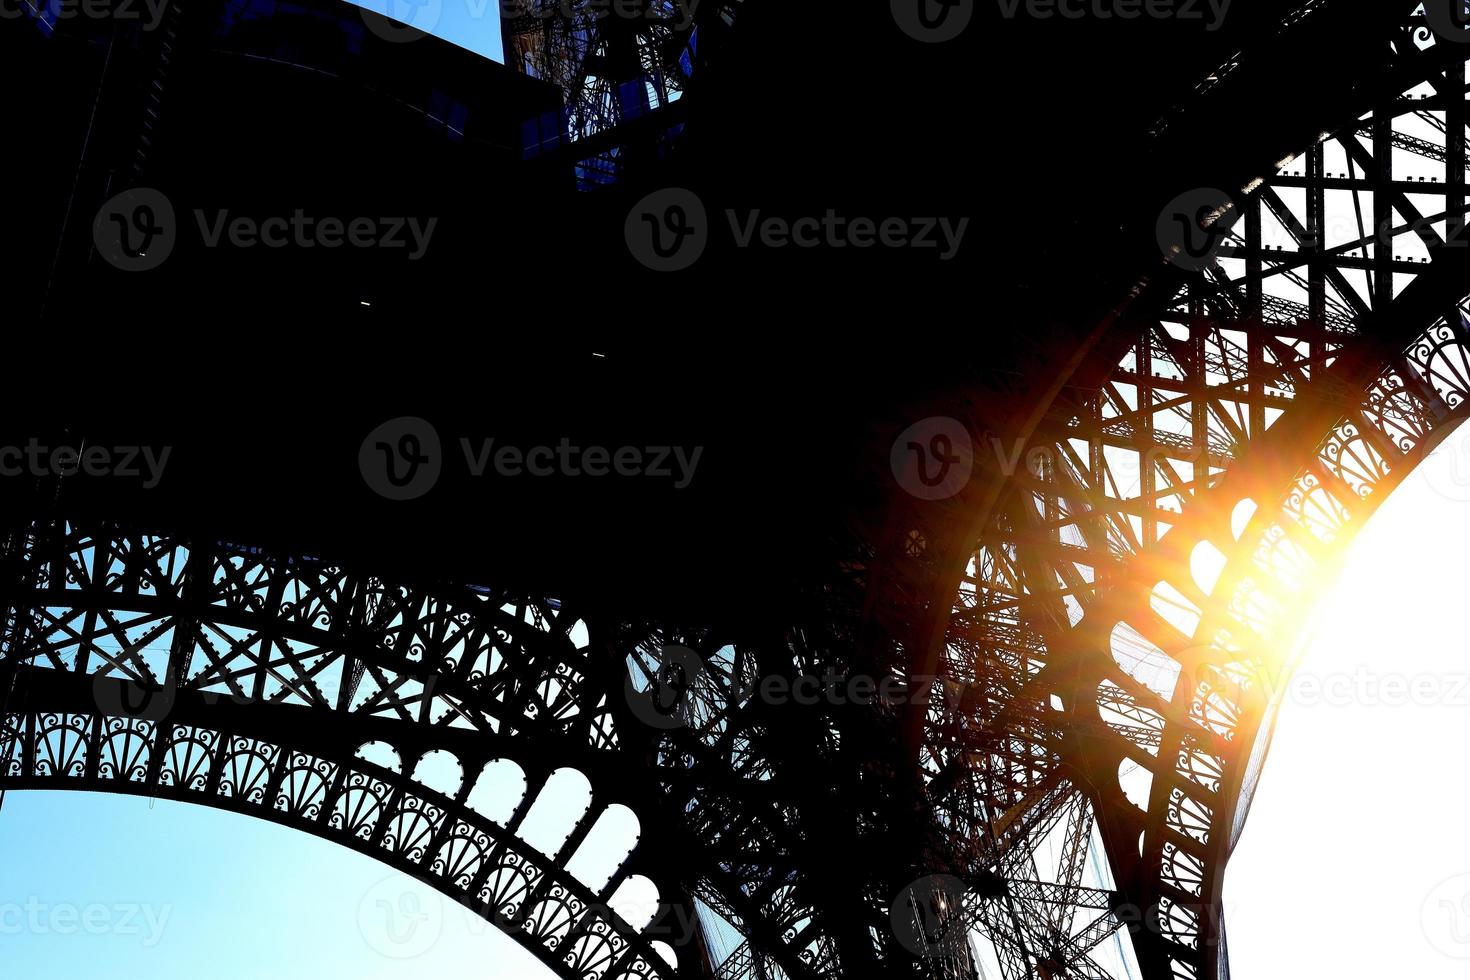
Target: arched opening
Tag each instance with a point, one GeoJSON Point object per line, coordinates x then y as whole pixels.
{"type": "Point", "coordinates": [441, 771]}
{"type": "Point", "coordinates": [559, 806]}
{"type": "Point", "coordinates": [609, 842]}
{"type": "Point", "coordinates": [498, 791]}
{"type": "Point", "coordinates": [380, 754]}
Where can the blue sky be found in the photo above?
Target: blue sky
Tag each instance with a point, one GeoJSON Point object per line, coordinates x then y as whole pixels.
{"type": "Point", "coordinates": [102, 886]}
{"type": "Point", "coordinates": [472, 24]}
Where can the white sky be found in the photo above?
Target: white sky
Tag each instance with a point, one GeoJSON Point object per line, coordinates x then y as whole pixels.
{"type": "Point", "coordinates": [1355, 861]}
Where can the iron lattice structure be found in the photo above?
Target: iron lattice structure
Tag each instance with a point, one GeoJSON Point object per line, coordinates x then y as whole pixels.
{"type": "Point", "coordinates": [1084, 645]}
{"type": "Point", "coordinates": [1109, 631]}
{"type": "Point", "coordinates": [617, 74]}
{"type": "Point", "coordinates": [199, 671]}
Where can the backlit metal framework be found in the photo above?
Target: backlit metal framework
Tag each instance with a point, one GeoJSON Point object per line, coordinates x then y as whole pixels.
{"type": "Point", "coordinates": [301, 692]}
{"type": "Point", "coordinates": [614, 69]}
{"type": "Point", "coordinates": [1083, 648]}
{"type": "Point", "coordinates": [1120, 627]}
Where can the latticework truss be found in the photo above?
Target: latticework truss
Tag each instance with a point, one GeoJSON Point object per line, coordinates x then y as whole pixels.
{"type": "Point", "coordinates": [1123, 624]}
{"type": "Point", "coordinates": [1080, 651]}
{"type": "Point", "coordinates": [613, 69]}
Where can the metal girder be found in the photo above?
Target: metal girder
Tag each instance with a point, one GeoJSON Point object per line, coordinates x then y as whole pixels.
{"type": "Point", "coordinates": [280, 763]}
{"type": "Point", "coordinates": [1055, 636]}
{"type": "Point", "coordinates": [1286, 378]}
{"type": "Point", "coordinates": [200, 670]}
{"type": "Point", "coordinates": [621, 77]}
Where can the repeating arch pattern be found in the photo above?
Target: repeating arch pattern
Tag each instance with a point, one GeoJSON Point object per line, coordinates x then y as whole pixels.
{"type": "Point", "coordinates": [1082, 671]}
{"type": "Point", "coordinates": [361, 711]}
{"type": "Point", "coordinates": [354, 802]}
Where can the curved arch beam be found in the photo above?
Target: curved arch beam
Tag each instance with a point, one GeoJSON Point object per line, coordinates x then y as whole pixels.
{"type": "Point", "coordinates": [1315, 414]}
{"type": "Point", "coordinates": [149, 663]}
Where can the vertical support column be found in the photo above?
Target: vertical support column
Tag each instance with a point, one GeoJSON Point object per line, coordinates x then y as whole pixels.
{"type": "Point", "coordinates": [1199, 396]}
{"type": "Point", "coordinates": [1144, 435]}
{"type": "Point", "coordinates": [1316, 225]}
{"type": "Point", "coordinates": [1097, 462]}
{"type": "Point", "coordinates": [14, 602]}
{"type": "Point", "coordinates": [1048, 477]}
{"type": "Point", "coordinates": [102, 545]}
{"type": "Point", "coordinates": [1254, 317]}
{"type": "Point", "coordinates": [1316, 264]}
{"type": "Point", "coordinates": [1382, 275]}
{"type": "Point", "coordinates": [197, 570]}
{"type": "Point", "coordinates": [1455, 118]}
{"type": "Point", "coordinates": [1253, 263]}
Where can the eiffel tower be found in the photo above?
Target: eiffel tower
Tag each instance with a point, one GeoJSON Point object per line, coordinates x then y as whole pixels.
{"type": "Point", "coordinates": [958, 660]}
